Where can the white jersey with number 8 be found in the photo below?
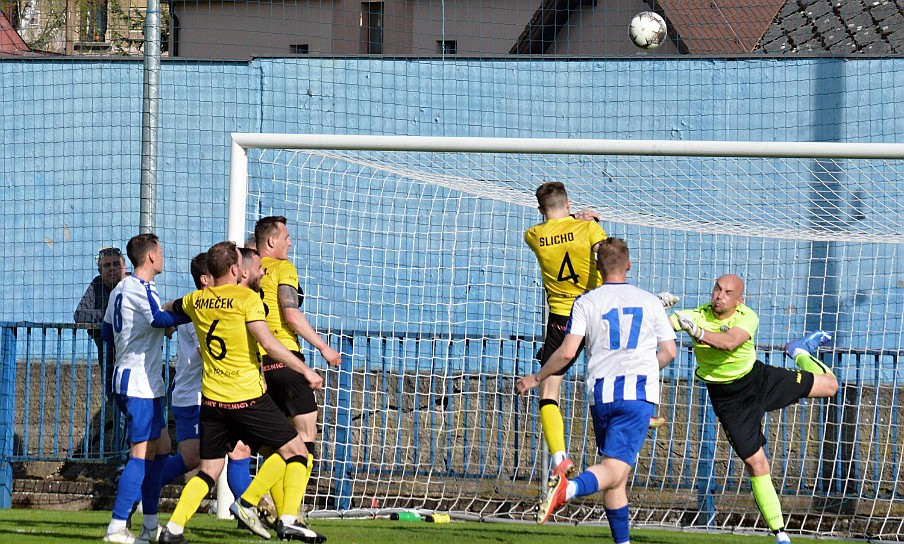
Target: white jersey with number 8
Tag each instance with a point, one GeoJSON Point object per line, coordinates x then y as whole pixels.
{"type": "Point", "coordinates": [139, 346]}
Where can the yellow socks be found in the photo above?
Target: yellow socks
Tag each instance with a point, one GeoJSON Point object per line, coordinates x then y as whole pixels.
{"type": "Point", "coordinates": [767, 501]}
{"type": "Point", "coordinates": [192, 494]}
{"type": "Point", "coordinates": [278, 495]}
{"type": "Point", "coordinates": [811, 364]}
{"type": "Point", "coordinates": [553, 427]}
{"type": "Point", "coordinates": [268, 473]}
{"type": "Point", "coordinates": [296, 479]}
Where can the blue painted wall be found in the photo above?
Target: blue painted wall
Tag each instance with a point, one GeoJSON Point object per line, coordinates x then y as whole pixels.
{"type": "Point", "coordinates": [70, 140]}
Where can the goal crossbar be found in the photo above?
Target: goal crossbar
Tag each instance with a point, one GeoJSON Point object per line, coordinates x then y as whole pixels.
{"type": "Point", "coordinates": [241, 142]}
{"type": "Point", "coordinates": [577, 146]}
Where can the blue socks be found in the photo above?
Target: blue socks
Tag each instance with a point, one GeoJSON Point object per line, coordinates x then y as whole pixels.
{"type": "Point", "coordinates": [172, 469]}
{"type": "Point", "coordinates": [618, 524]}
{"type": "Point", "coordinates": [238, 476]}
{"type": "Point", "coordinates": [586, 483]}
{"type": "Point", "coordinates": [150, 487]}
{"type": "Point", "coordinates": [128, 488]}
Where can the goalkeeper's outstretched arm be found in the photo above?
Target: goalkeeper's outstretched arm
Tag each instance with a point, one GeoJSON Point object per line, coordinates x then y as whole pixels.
{"type": "Point", "coordinates": [726, 341]}
{"type": "Point", "coordinates": [667, 299]}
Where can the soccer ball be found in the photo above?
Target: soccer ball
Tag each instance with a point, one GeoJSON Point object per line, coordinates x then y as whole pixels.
{"type": "Point", "coordinates": [647, 30]}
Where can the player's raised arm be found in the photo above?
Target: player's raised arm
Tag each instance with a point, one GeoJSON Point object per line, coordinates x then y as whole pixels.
{"type": "Point", "coordinates": [288, 301]}
{"type": "Point", "coordinates": [587, 215]}
{"type": "Point", "coordinates": [281, 353]}
{"type": "Point", "coordinates": [722, 340]}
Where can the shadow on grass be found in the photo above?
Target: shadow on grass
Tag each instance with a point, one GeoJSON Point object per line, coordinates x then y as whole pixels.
{"type": "Point", "coordinates": [50, 531]}
{"type": "Point", "coordinates": [419, 533]}
{"type": "Point", "coordinates": [27, 529]}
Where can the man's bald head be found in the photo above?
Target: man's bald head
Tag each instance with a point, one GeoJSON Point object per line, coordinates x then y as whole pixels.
{"type": "Point", "coordinates": [728, 294]}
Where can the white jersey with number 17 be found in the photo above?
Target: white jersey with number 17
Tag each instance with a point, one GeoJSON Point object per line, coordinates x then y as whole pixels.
{"type": "Point", "coordinates": [622, 327]}
{"type": "Point", "coordinates": [139, 346]}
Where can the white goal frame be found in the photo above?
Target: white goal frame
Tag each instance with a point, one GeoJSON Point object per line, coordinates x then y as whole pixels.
{"type": "Point", "coordinates": [242, 141]}
{"type": "Point", "coordinates": [673, 209]}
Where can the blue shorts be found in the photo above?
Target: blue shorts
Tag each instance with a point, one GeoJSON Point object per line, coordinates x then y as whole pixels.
{"type": "Point", "coordinates": [144, 417]}
{"type": "Point", "coordinates": [621, 428]}
{"type": "Point", "coordinates": [188, 419]}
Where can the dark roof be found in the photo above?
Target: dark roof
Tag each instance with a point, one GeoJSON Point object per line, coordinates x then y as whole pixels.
{"type": "Point", "coordinates": [776, 27]}
{"type": "Point", "coordinates": [841, 27]}
{"type": "Point", "coordinates": [10, 41]}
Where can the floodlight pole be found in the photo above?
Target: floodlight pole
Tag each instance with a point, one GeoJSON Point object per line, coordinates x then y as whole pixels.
{"type": "Point", "coordinates": [150, 117]}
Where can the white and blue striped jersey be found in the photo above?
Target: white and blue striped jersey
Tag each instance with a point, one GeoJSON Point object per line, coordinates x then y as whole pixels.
{"type": "Point", "coordinates": [189, 368]}
{"type": "Point", "coordinates": [622, 327]}
{"type": "Point", "coordinates": [133, 316]}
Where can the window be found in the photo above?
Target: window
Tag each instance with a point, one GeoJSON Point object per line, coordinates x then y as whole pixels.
{"type": "Point", "coordinates": [372, 28]}
{"type": "Point", "coordinates": [299, 49]}
{"type": "Point", "coordinates": [94, 21]}
{"type": "Point", "coordinates": [447, 47]}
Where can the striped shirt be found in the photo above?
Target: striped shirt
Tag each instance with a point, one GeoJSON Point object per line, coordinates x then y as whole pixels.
{"type": "Point", "coordinates": [622, 326]}
{"type": "Point", "coordinates": [132, 312]}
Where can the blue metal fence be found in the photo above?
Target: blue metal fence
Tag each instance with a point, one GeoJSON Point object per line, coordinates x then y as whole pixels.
{"type": "Point", "coordinates": [52, 408]}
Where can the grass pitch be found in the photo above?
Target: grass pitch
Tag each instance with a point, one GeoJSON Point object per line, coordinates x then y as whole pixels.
{"type": "Point", "coordinates": [57, 527]}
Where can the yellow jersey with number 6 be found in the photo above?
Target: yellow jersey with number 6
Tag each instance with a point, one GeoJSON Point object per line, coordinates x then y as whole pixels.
{"type": "Point", "coordinates": [229, 351]}
{"type": "Point", "coordinates": [564, 249]}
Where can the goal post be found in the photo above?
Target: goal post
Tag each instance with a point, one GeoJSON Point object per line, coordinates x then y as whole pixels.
{"type": "Point", "coordinates": [412, 262]}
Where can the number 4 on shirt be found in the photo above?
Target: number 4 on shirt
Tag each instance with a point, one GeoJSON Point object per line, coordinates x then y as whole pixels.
{"type": "Point", "coordinates": [567, 267]}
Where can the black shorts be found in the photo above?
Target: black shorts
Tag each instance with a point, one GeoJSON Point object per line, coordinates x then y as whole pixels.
{"type": "Point", "coordinates": [256, 422]}
{"type": "Point", "coordinates": [290, 390]}
{"type": "Point", "coordinates": [742, 404]}
{"type": "Point", "coordinates": [555, 335]}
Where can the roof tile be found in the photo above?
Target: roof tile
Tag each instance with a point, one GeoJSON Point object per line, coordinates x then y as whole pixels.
{"type": "Point", "coordinates": [819, 9]}
{"type": "Point", "coordinates": [850, 8]}
{"type": "Point", "coordinates": [837, 26]}
{"type": "Point", "coordinates": [883, 10]}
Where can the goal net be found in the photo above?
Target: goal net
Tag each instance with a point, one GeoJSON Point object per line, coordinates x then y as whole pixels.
{"type": "Point", "coordinates": [412, 261]}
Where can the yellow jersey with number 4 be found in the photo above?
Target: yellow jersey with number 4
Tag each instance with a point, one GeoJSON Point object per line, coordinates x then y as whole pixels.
{"type": "Point", "coordinates": [564, 249]}
{"type": "Point", "coordinates": [231, 360]}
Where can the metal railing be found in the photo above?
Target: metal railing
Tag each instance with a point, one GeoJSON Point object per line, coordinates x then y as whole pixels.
{"type": "Point", "coordinates": [52, 407]}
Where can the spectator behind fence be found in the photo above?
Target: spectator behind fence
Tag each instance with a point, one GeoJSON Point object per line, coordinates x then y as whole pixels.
{"type": "Point", "coordinates": [111, 268]}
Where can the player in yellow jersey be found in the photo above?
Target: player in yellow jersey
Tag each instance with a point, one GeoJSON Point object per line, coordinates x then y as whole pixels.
{"type": "Point", "coordinates": [742, 389]}
{"type": "Point", "coordinates": [282, 303]}
{"type": "Point", "coordinates": [565, 247]}
{"type": "Point", "coordinates": [230, 323]}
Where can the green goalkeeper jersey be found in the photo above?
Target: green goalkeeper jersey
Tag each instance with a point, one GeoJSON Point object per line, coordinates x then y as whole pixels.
{"type": "Point", "coordinates": [719, 365]}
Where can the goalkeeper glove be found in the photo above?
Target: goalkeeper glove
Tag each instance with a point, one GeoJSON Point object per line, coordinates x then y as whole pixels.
{"type": "Point", "coordinates": [667, 299]}
{"type": "Point", "coordinates": [688, 325]}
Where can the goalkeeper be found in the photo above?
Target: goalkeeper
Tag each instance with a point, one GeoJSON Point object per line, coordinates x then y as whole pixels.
{"type": "Point", "coordinates": [742, 389]}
